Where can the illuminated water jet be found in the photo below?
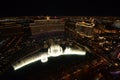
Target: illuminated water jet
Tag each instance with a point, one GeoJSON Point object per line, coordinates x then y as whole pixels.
{"type": "Point", "coordinates": [53, 51]}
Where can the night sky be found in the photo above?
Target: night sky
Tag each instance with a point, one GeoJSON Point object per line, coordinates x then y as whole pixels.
{"type": "Point", "coordinates": [59, 7]}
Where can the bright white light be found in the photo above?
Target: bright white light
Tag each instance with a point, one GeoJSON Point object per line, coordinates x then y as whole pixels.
{"type": "Point", "coordinates": [27, 61]}
{"type": "Point", "coordinates": [69, 51]}
{"type": "Point", "coordinates": [53, 51]}
{"type": "Point", "coordinates": [44, 58]}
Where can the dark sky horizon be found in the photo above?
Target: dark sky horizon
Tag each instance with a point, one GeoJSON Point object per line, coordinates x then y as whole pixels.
{"type": "Point", "coordinates": [60, 8]}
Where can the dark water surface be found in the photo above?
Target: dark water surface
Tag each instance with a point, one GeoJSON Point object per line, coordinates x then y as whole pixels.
{"type": "Point", "coordinates": [42, 71]}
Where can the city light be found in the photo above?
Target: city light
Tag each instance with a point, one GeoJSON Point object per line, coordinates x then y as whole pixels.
{"type": "Point", "coordinates": [48, 18]}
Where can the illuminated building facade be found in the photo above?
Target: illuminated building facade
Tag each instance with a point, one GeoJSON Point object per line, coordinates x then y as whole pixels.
{"type": "Point", "coordinates": [85, 28]}
{"type": "Point", "coordinates": [45, 25]}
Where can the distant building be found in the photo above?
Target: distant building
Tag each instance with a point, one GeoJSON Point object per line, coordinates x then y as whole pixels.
{"type": "Point", "coordinates": [116, 24]}
{"type": "Point", "coordinates": [85, 28]}
{"type": "Point", "coordinates": [46, 25]}
{"type": "Point", "coordinates": [10, 30]}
